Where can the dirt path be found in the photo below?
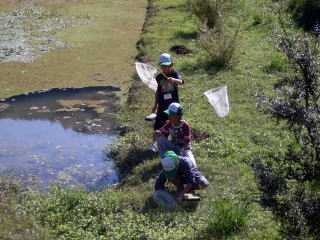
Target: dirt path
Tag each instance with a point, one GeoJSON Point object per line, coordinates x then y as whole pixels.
{"type": "Point", "coordinates": [96, 44]}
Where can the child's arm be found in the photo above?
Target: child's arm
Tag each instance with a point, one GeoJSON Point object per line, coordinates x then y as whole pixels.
{"type": "Point", "coordinates": [160, 182]}
{"type": "Point", "coordinates": [175, 80]}
{"type": "Point", "coordinates": [187, 188]}
{"type": "Point", "coordinates": [164, 130]}
{"type": "Point", "coordinates": [186, 135]}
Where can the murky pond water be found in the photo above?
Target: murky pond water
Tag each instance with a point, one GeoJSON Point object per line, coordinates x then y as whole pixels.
{"type": "Point", "coordinates": [60, 136]}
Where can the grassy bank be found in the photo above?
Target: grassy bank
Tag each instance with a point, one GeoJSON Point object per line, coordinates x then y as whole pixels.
{"type": "Point", "coordinates": [235, 141]}
{"type": "Point", "coordinates": [232, 200]}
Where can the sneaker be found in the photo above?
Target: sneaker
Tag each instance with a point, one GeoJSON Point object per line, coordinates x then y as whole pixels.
{"type": "Point", "coordinates": [154, 147]}
{"type": "Point", "coordinates": [191, 197]}
{"type": "Point", "coordinates": [151, 117]}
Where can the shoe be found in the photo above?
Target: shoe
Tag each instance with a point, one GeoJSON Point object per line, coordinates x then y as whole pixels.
{"type": "Point", "coordinates": [151, 117]}
{"type": "Point", "coordinates": [191, 197]}
{"type": "Point", "coordinates": [154, 147]}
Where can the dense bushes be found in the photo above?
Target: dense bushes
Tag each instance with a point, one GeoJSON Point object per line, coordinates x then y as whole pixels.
{"type": "Point", "coordinates": [306, 13]}
{"type": "Point", "coordinates": [295, 196]}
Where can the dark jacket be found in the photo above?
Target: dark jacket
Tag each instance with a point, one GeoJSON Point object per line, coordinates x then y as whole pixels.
{"type": "Point", "coordinates": [185, 174]}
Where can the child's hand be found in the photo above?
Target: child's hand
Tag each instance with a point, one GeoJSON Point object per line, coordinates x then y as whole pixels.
{"type": "Point", "coordinates": [174, 80]}
{"type": "Point", "coordinates": [158, 132]}
{"type": "Point", "coordinates": [170, 79]}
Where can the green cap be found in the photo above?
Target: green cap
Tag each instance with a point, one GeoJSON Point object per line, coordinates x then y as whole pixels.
{"type": "Point", "coordinates": [169, 163]}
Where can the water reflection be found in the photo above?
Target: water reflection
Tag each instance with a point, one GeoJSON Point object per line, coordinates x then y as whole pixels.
{"type": "Point", "coordinates": [60, 136]}
{"type": "Point", "coordinates": [47, 152]}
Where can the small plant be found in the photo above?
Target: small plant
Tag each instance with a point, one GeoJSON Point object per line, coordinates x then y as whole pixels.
{"type": "Point", "coordinates": [226, 218]}
{"type": "Point", "coordinates": [277, 64]}
{"type": "Point", "coordinates": [210, 12]}
{"type": "Point", "coordinates": [206, 11]}
{"type": "Point", "coordinates": [219, 46]}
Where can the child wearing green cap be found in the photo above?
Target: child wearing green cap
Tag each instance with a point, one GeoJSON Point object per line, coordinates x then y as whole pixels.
{"type": "Point", "coordinates": [179, 171]}
{"type": "Point", "coordinates": [167, 91]}
{"type": "Point", "coordinates": [175, 135]}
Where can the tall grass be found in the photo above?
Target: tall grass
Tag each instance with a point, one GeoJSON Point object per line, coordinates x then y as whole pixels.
{"type": "Point", "coordinates": [226, 218]}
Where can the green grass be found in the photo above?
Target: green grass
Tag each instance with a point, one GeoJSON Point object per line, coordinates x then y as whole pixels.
{"type": "Point", "coordinates": [225, 158]}
{"type": "Point", "coordinates": [226, 218]}
{"type": "Point", "coordinates": [235, 141]}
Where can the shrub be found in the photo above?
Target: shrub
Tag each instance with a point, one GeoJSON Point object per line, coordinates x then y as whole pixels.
{"type": "Point", "coordinates": [226, 218]}
{"type": "Point", "coordinates": [219, 46]}
{"type": "Point", "coordinates": [206, 11]}
{"type": "Point", "coordinates": [297, 101]}
{"type": "Point", "coordinates": [210, 12]}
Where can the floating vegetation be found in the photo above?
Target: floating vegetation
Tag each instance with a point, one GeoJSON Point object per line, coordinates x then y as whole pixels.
{"type": "Point", "coordinates": [28, 32]}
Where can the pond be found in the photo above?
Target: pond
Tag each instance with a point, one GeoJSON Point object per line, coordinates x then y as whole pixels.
{"type": "Point", "coordinates": [60, 136]}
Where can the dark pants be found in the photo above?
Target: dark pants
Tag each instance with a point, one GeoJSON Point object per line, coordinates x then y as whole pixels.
{"type": "Point", "coordinates": [160, 120]}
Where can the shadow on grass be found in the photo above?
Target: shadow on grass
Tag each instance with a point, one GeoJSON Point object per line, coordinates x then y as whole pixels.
{"type": "Point", "coordinates": [186, 35]}
{"type": "Point", "coordinates": [150, 206]}
{"type": "Point", "coordinates": [135, 157]}
{"type": "Point", "coordinates": [151, 173]}
{"type": "Point", "coordinates": [202, 65]}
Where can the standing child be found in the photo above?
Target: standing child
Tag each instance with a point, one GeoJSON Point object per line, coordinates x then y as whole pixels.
{"type": "Point", "coordinates": [167, 92]}
{"type": "Point", "coordinates": [175, 135]}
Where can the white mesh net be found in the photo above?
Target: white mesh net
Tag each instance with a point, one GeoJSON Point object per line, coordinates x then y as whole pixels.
{"type": "Point", "coordinates": [218, 98]}
{"type": "Point", "coordinates": [147, 74]}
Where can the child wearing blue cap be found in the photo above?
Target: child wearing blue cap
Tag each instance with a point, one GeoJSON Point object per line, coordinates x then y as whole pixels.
{"type": "Point", "coordinates": [167, 92]}
{"type": "Point", "coordinates": [175, 135]}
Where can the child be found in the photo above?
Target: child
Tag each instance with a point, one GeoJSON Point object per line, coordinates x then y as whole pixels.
{"type": "Point", "coordinates": [177, 170]}
{"type": "Point", "coordinates": [175, 135]}
{"type": "Point", "coordinates": [167, 91]}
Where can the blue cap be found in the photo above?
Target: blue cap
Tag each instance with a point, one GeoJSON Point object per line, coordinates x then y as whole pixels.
{"type": "Point", "coordinates": [165, 59]}
{"type": "Point", "coordinates": [174, 109]}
